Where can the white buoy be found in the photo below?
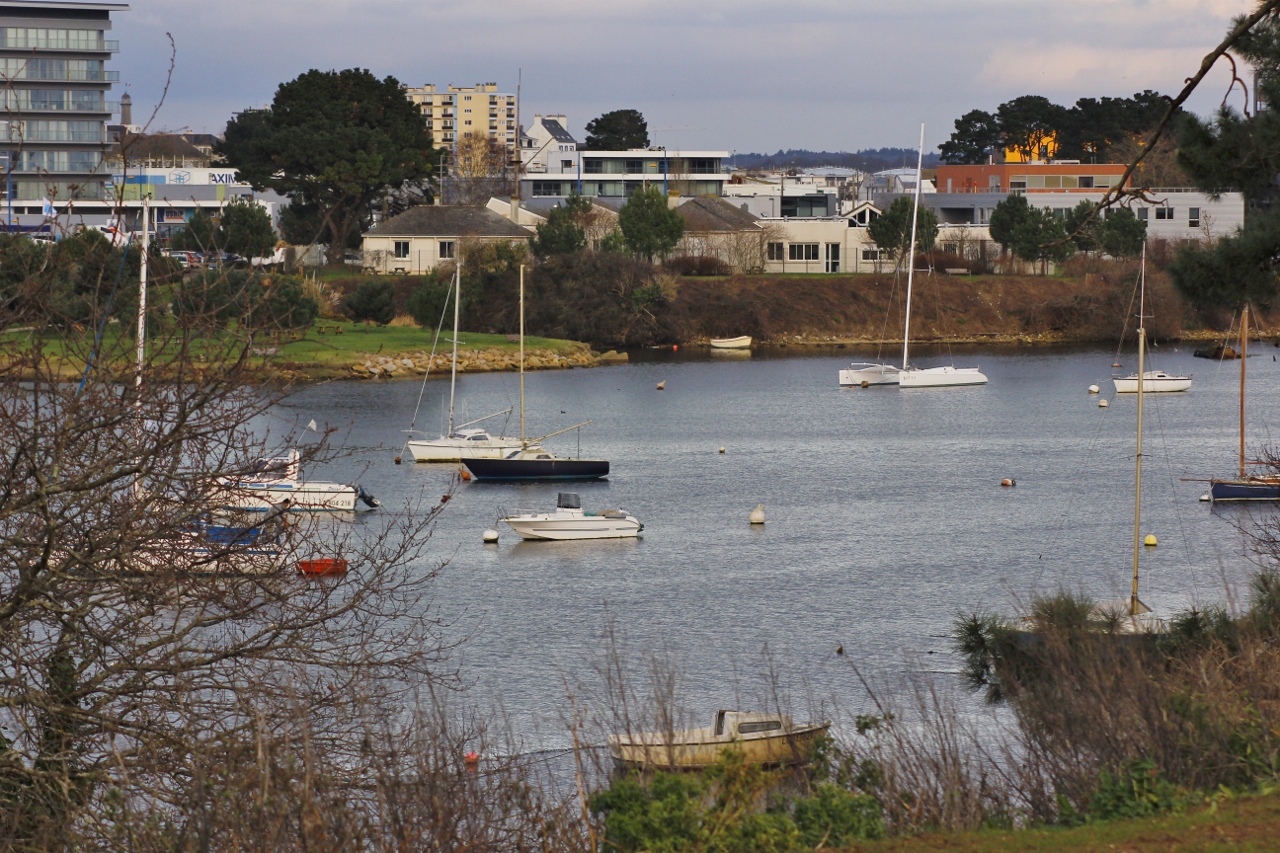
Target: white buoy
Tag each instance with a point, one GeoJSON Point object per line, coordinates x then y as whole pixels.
{"type": "Point", "coordinates": [490, 536]}
{"type": "Point", "coordinates": [722, 450]}
{"type": "Point", "coordinates": [1205, 498]}
{"type": "Point", "coordinates": [1094, 389]}
{"type": "Point", "coordinates": [757, 515]}
{"type": "Point", "coordinates": [1102, 404]}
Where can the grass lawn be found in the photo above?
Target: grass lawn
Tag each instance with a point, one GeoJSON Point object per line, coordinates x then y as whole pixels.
{"type": "Point", "coordinates": [328, 345]}
{"type": "Point", "coordinates": [1245, 823]}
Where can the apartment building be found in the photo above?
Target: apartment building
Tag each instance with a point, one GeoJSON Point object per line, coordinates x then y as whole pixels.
{"type": "Point", "coordinates": [614, 176]}
{"type": "Point", "coordinates": [52, 61]}
{"type": "Point", "coordinates": [457, 112]}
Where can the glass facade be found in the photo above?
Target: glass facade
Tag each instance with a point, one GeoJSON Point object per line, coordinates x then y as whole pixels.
{"type": "Point", "coordinates": [50, 151]}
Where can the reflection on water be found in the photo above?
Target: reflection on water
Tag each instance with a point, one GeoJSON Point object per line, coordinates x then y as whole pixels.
{"type": "Point", "coordinates": [885, 512]}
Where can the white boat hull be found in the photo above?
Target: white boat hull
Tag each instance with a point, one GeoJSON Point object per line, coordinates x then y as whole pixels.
{"type": "Point", "coordinates": [569, 524]}
{"type": "Point", "coordinates": [1151, 384]}
{"type": "Point", "coordinates": [742, 342]}
{"type": "Point", "coordinates": [941, 377]}
{"type": "Point", "coordinates": [449, 449]}
{"type": "Point", "coordinates": [303, 497]}
{"type": "Point", "coordinates": [870, 374]}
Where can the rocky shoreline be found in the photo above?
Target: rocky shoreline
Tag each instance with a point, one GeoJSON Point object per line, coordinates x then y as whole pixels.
{"type": "Point", "coordinates": [478, 361]}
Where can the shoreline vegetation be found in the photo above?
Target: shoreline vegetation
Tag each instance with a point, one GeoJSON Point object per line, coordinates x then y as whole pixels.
{"type": "Point", "coordinates": [802, 311]}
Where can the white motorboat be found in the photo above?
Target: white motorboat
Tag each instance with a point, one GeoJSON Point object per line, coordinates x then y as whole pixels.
{"type": "Point", "coordinates": [570, 521]}
{"type": "Point", "coordinates": [866, 373]}
{"type": "Point", "coordinates": [767, 739]}
{"type": "Point", "coordinates": [275, 483]}
{"type": "Point", "coordinates": [940, 377]}
{"type": "Point", "coordinates": [740, 342]}
{"type": "Point", "coordinates": [1153, 382]}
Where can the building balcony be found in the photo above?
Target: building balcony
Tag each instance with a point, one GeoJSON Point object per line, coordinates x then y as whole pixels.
{"type": "Point", "coordinates": [33, 136]}
{"type": "Point", "coordinates": [100, 107]}
{"type": "Point", "coordinates": [98, 46]}
{"type": "Point", "coordinates": [69, 77]}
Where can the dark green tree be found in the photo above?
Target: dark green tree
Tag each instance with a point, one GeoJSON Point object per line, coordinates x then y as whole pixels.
{"type": "Point", "coordinates": [1237, 151]}
{"type": "Point", "coordinates": [1123, 234]}
{"type": "Point", "coordinates": [1084, 227]}
{"type": "Point", "coordinates": [1094, 125]}
{"type": "Point", "coordinates": [617, 131]}
{"type": "Point", "coordinates": [340, 140]}
{"type": "Point", "coordinates": [428, 301]}
{"type": "Point", "coordinates": [1028, 124]}
{"type": "Point", "coordinates": [649, 225]}
{"type": "Point", "coordinates": [614, 243]}
{"type": "Point", "coordinates": [892, 229]}
{"type": "Point", "coordinates": [977, 135]}
{"type": "Point", "coordinates": [303, 224]}
{"type": "Point", "coordinates": [244, 229]}
{"type": "Point", "coordinates": [1030, 233]}
{"type": "Point", "coordinates": [562, 233]}
{"type": "Point", "coordinates": [200, 234]}
{"type": "Point", "coordinates": [373, 302]}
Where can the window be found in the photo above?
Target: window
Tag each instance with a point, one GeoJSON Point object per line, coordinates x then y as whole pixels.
{"type": "Point", "coordinates": [872, 254]}
{"type": "Point", "coordinates": [1164, 213]}
{"type": "Point", "coordinates": [1086, 182]}
{"type": "Point", "coordinates": [751, 728]}
{"type": "Point", "coordinates": [774, 251]}
{"type": "Point", "coordinates": [401, 249]}
{"type": "Point", "coordinates": [1193, 217]}
{"type": "Point", "coordinates": [804, 251]}
{"type": "Point", "coordinates": [446, 250]}
{"type": "Point", "coordinates": [566, 164]}
{"type": "Point", "coordinates": [1142, 214]}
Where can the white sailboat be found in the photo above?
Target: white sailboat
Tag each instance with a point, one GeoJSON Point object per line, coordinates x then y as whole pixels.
{"type": "Point", "coordinates": [459, 443]}
{"type": "Point", "coordinates": [927, 377]}
{"type": "Point", "coordinates": [1153, 381]}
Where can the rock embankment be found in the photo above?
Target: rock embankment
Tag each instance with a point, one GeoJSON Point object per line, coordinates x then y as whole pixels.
{"type": "Point", "coordinates": [470, 361]}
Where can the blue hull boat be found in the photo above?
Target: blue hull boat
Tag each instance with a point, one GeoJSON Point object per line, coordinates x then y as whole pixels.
{"type": "Point", "coordinates": [1245, 490]}
{"type": "Point", "coordinates": [547, 468]}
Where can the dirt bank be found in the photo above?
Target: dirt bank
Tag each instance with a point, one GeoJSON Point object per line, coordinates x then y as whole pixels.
{"type": "Point", "coordinates": [959, 308]}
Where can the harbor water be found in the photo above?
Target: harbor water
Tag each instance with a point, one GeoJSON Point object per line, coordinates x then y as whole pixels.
{"type": "Point", "coordinates": [885, 513]}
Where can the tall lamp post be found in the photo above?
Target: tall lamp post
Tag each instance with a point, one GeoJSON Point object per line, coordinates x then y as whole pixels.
{"type": "Point", "coordinates": [664, 169]}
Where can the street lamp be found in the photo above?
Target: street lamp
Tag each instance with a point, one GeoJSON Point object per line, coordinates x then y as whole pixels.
{"type": "Point", "coordinates": [664, 169]}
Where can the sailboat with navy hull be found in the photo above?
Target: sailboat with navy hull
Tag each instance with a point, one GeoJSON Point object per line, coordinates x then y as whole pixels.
{"type": "Point", "coordinates": [1246, 487]}
{"type": "Point", "coordinates": [531, 461]}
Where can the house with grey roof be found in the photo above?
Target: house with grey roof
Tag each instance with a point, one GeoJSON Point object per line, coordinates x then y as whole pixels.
{"type": "Point", "coordinates": [714, 227]}
{"type": "Point", "coordinates": [422, 238]}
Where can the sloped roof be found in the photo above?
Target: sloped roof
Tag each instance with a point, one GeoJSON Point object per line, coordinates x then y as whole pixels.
{"type": "Point", "coordinates": [449, 221]}
{"type": "Point", "coordinates": [140, 146]}
{"type": "Point", "coordinates": [711, 213]}
{"type": "Point", "coordinates": [557, 131]}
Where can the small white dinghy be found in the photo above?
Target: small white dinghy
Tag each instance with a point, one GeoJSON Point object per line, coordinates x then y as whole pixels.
{"type": "Point", "coordinates": [740, 342]}
{"type": "Point", "coordinates": [1153, 382]}
{"type": "Point", "coordinates": [569, 521]}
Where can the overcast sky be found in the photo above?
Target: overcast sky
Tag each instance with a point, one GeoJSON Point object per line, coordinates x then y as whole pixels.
{"type": "Point", "coordinates": [738, 75]}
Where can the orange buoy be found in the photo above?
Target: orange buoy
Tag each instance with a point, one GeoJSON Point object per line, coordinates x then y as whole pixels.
{"type": "Point", "coordinates": [1008, 481]}
{"type": "Point", "coordinates": [323, 567]}
{"type": "Point", "coordinates": [397, 460]}
{"type": "Point", "coordinates": [465, 475]}
{"type": "Point", "coordinates": [472, 760]}
{"type": "Point", "coordinates": [675, 347]}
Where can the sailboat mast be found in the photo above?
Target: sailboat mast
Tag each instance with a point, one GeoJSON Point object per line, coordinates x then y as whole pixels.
{"type": "Point", "coordinates": [1244, 355]}
{"type": "Point", "coordinates": [457, 303]}
{"type": "Point", "coordinates": [1135, 606]}
{"type": "Point", "coordinates": [522, 442]}
{"type": "Point", "coordinates": [142, 294]}
{"type": "Point", "coordinates": [911, 249]}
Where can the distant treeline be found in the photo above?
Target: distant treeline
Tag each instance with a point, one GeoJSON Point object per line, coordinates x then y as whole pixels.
{"type": "Point", "coordinates": [867, 160]}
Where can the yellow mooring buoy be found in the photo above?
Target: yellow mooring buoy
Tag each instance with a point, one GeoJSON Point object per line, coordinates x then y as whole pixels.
{"type": "Point", "coordinates": [1150, 541]}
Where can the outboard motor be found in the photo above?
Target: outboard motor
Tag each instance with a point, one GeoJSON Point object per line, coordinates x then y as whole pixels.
{"type": "Point", "coordinates": [366, 498]}
{"type": "Point", "coordinates": [568, 500]}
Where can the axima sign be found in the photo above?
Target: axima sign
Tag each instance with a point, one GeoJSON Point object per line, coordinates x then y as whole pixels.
{"type": "Point", "coordinates": [222, 178]}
